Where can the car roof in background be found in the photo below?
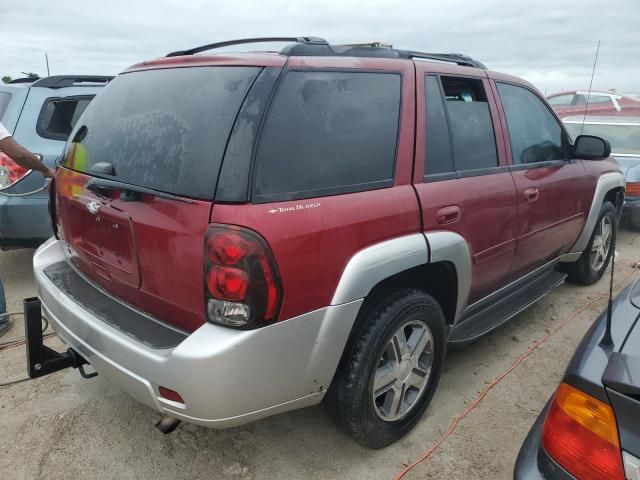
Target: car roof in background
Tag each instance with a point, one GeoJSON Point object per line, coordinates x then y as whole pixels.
{"type": "Point", "coordinates": [60, 81]}
{"type": "Point", "coordinates": [603, 120]}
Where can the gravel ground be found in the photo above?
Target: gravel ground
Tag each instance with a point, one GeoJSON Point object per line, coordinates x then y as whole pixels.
{"type": "Point", "coordinates": [63, 426]}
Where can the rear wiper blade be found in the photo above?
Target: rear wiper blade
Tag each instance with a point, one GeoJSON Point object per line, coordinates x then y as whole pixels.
{"type": "Point", "coordinates": [130, 193]}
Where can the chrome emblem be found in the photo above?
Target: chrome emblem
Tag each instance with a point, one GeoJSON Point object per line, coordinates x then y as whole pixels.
{"type": "Point", "coordinates": [93, 207]}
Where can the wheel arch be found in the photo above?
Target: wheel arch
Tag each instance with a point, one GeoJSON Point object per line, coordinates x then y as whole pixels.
{"type": "Point", "coordinates": [437, 262]}
{"type": "Point", "coordinates": [606, 189]}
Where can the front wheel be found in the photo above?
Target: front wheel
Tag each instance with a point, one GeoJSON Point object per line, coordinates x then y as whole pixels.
{"type": "Point", "coordinates": [391, 370]}
{"type": "Point", "coordinates": [594, 260]}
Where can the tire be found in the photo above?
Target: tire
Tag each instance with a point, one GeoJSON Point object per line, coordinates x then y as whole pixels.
{"type": "Point", "coordinates": [586, 271]}
{"type": "Point", "coordinates": [378, 422]}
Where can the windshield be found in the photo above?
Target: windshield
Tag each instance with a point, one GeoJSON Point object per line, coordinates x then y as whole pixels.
{"type": "Point", "coordinates": [624, 138]}
{"type": "Point", "coordinates": [163, 129]}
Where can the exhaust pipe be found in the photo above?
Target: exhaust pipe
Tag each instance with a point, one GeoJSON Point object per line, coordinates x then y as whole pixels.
{"type": "Point", "coordinates": [167, 424]}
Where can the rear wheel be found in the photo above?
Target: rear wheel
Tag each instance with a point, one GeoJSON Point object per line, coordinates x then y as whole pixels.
{"type": "Point", "coordinates": [391, 369]}
{"type": "Point", "coordinates": [594, 260]}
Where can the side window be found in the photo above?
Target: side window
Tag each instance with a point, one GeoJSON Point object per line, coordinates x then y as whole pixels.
{"type": "Point", "coordinates": [535, 134]}
{"type": "Point", "coordinates": [438, 158]}
{"type": "Point", "coordinates": [472, 135]}
{"type": "Point", "coordinates": [561, 100]}
{"type": "Point", "coordinates": [59, 115]}
{"type": "Point", "coordinates": [599, 99]}
{"type": "Point", "coordinates": [327, 133]}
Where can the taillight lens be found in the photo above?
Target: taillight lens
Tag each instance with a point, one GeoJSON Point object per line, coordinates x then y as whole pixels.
{"type": "Point", "coordinates": [243, 286]}
{"type": "Point", "coordinates": [10, 171]}
{"type": "Point", "coordinates": [580, 434]}
{"type": "Point", "coordinates": [632, 189]}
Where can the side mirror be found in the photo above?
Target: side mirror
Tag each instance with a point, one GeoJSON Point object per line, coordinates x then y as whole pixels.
{"type": "Point", "coordinates": [590, 147]}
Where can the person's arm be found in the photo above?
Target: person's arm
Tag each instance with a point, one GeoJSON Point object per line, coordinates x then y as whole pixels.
{"type": "Point", "coordinates": [24, 157]}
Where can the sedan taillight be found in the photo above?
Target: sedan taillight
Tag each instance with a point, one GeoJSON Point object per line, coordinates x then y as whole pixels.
{"type": "Point", "coordinates": [580, 434]}
{"type": "Point", "coordinates": [10, 171]}
{"type": "Point", "coordinates": [242, 283]}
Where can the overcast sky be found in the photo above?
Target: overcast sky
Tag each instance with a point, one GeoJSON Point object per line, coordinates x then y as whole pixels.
{"type": "Point", "coordinates": [551, 43]}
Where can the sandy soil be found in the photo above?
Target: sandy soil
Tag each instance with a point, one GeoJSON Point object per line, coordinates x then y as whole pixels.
{"type": "Point", "coordinates": [63, 426]}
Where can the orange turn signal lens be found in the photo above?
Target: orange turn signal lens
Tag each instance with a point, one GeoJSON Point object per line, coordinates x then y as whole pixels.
{"type": "Point", "coordinates": [632, 189]}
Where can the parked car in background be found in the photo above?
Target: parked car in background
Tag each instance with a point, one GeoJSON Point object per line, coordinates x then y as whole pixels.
{"type": "Point", "coordinates": [40, 113]}
{"type": "Point", "coordinates": [240, 235]}
{"type": "Point", "coordinates": [623, 134]}
{"type": "Point", "coordinates": [590, 428]}
{"type": "Point", "coordinates": [600, 103]}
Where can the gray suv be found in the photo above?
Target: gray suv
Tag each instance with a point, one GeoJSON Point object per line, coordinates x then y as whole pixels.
{"type": "Point", "coordinates": [40, 113]}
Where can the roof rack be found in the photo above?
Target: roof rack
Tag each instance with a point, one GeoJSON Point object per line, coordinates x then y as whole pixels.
{"type": "Point", "coordinates": [61, 81]}
{"type": "Point", "coordinates": [457, 58]}
{"type": "Point", "coordinates": [318, 47]}
{"type": "Point", "coordinates": [213, 46]}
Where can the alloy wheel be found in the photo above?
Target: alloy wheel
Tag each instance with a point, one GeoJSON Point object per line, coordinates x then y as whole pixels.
{"type": "Point", "coordinates": [601, 243]}
{"type": "Point", "coordinates": [403, 371]}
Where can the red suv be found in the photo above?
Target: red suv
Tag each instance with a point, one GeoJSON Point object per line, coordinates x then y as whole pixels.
{"type": "Point", "coordinates": [239, 235]}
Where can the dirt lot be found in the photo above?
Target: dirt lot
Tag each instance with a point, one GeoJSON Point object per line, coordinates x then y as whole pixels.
{"type": "Point", "coordinates": [63, 426]}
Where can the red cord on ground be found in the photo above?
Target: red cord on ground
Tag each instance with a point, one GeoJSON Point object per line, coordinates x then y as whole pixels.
{"type": "Point", "coordinates": [500, 377]}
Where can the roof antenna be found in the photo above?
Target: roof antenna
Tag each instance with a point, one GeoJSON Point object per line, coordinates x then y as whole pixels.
{"type": "Point", "coordinates": [590, 85]}
{"type": "Point", "coordinates": [607, 340]}
{"type": "Point", "coordinates": [46, 59]}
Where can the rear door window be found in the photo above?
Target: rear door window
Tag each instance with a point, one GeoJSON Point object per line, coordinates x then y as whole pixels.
{"type": "Point", "coordinates": [473, 138]}
{"type": "Point", "coordinates": [561, 100]}
{"type": "Point", "coordinates": [328, 132]}
{"type": "Point", "coordinates": [164, 129]}
{"type": "Point", "coordinates": [438, 157]}
{"type": "Point", "coordinates": [59, 115]}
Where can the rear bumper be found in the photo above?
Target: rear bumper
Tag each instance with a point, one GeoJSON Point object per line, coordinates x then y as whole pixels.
{"type": "Point", "coordinates": [631, 205]}
{"type": "Point", "coordinates": [226, 377]}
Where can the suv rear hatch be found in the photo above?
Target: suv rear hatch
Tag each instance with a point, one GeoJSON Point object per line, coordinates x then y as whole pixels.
{"type": "Point", "coordinates": [137, 183]}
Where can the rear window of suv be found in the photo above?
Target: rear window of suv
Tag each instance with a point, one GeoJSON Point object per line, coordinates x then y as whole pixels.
{"type": "Point", "coordinates": [164, 129]}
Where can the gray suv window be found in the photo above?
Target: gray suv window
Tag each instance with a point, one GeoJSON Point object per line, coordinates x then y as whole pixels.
{"type": "Point", "coordinates": [328, 132]}
{"type": "Point", "coordinates": [59, 115]}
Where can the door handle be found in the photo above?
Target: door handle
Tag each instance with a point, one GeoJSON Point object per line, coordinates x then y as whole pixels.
{"type": "Point", "coordinates": [531, 195]}
{"type": "Point", "coordinates": [448, 214]}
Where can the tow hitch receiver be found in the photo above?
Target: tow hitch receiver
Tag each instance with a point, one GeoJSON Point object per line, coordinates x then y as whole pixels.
{"type": "Point", "coordinates": [42, 360]}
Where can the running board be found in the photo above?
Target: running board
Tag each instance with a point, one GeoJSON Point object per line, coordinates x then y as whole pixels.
{"type": "Point", "coordinates": [481, 321]}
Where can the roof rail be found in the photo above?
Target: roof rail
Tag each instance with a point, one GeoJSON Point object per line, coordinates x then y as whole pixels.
{"type": "Point", "coordinates": [213, 46]}
{"type": "Point", "coordinates": [61, 81]}
{"type": "Point", "coordinates": [457, 58]}
{"type": "Point", "coordinates": [24, 80]}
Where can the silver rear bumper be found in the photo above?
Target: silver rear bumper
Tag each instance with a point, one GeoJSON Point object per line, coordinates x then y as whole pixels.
{"type": "Point", "coordinates": [226, 377]}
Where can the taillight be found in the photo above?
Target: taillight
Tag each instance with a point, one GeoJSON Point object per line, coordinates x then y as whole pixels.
{"type": "Point", "coordinates": [242, 283]}
{"type": "Point", "coordinates": [632, 189]}
{"type": "Point", "coordinates": [10, 171]}
{"type": "Point", "coordinates": [580, 434]}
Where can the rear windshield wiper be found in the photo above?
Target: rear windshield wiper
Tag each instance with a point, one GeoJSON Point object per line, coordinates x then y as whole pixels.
{"type": "Point", "coordinates": [130, 193]}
